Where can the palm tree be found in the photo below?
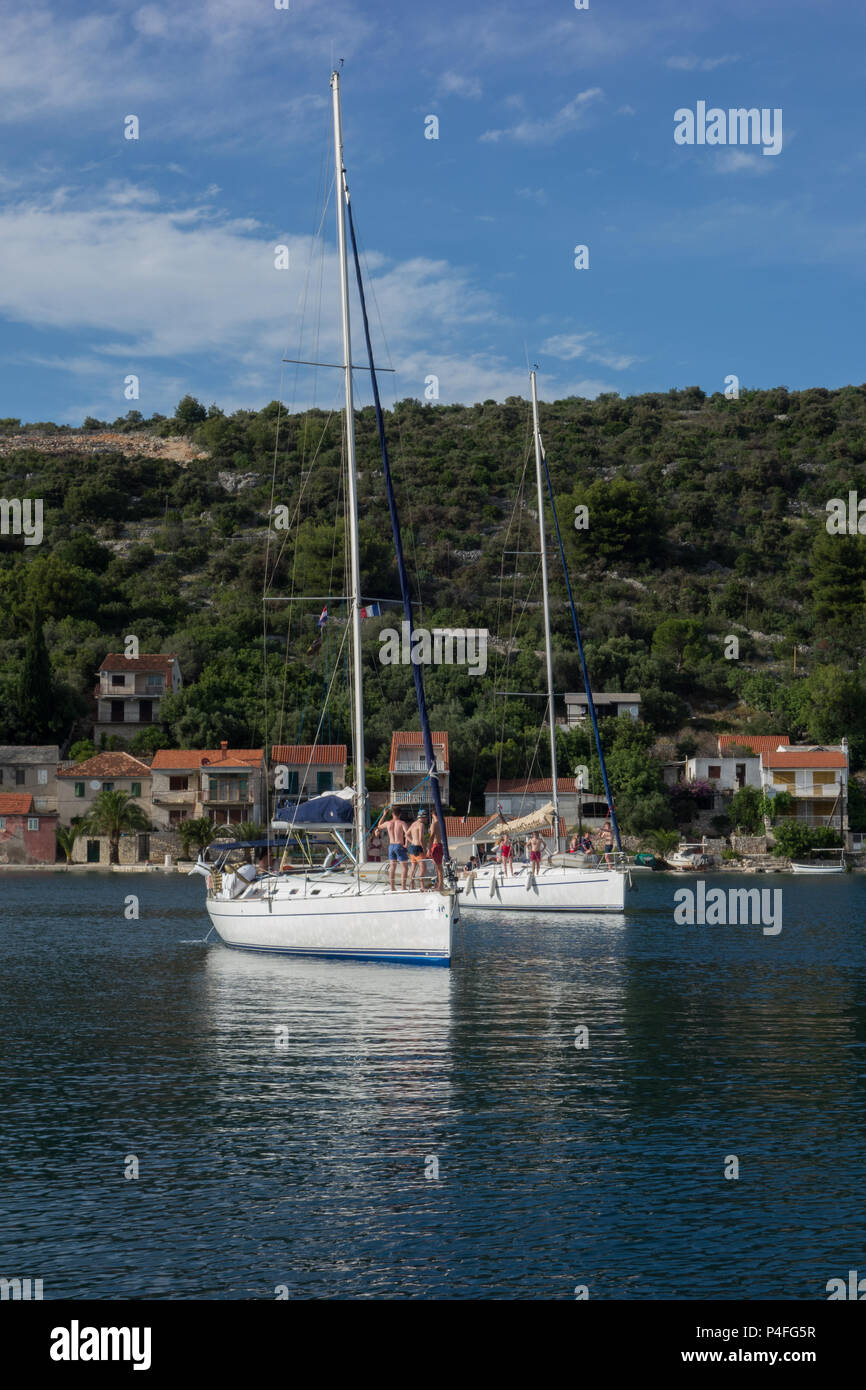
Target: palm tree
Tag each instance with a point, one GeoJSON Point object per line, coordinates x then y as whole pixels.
{"type": "Point", "coordinates": [66, 837]}
{"type": "Point", "coordinates": [196, 834]}
{"type": "Point", "coordinates": [113, 814]}
{"type": "Point", "coordinates": [663, 841]}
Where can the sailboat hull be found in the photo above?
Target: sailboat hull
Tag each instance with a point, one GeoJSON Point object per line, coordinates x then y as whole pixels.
{"type": "Point", "coordinates": [402, 927]}
{"type": "Point", "coordinates": [553, 890]}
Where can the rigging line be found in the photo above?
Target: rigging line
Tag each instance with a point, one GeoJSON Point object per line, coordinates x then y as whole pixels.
{"type": "Point", "coordinates": [401, 453]}
{"type": "Point", "coordinates": [517, 511]}
{"type": "Point", "coordinates": [587, 687]}
{"type": "Point", "coordinates": [401, 564]}
{"type": "Point", "coordinates": [304, 299]}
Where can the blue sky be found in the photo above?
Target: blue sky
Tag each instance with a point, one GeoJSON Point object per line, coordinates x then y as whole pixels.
{"type": "Point", "coordinates": [156, 256]}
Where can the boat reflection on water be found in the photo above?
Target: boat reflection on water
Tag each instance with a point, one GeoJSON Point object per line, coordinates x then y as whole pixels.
{"type": "Point", "coordinates": [372, 1042]}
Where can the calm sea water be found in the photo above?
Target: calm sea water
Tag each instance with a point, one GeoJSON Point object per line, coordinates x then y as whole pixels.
{"type": "Point", "coordinates": [306, 1165]}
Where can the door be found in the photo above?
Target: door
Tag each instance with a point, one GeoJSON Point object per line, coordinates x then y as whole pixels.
{"type": "Point", "coordinates": [145, 711]}
{"type": "Point", "coordinates": [143, 848]}
{"type": "Point", "coordinates": [117, 711]}
{"type": "Point", "coordinates": [93, 851]}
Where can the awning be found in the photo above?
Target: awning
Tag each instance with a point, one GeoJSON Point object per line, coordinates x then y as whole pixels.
{"type": "Point", "coordinates": [536, 820]}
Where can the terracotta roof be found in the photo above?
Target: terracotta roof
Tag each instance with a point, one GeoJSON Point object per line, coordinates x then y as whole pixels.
{"type": "Point", "coordinates": [185, 759]}
{"type": "Point", "coordinates": [457, 830]}
{"type": "Point", "coordinates": [15, 804]}
{"type": "Point", "coordinates": [538, 785]}
{"type": "Point", "coordinates": [795, 757]}
{"type": "Point", "coordinates": [119, 662]}
{"type": "Point", "coordinates": [408, 738]}
{"type": "Point", "coordinates": [308, 753]}
{"type": "Point", "coordinates": [107, 765]}
{"type": "Point", "coordinates": [759, 743]}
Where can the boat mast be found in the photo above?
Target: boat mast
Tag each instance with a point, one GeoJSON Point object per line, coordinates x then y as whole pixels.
{"type": "Point", "coordinates": [547, 648]}
{"type": "Point", "coordinates": [342, 196]}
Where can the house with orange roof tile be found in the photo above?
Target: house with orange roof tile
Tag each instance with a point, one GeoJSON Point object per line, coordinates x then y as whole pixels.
{"type": "Point", "coordinates": [80, 784]}
{"type": "Point", "coordinates": [408, 766]}
{"type": "Point", "coordinates": [27, 836]}
{"type": "Point", "coordinates": [816, 778]}
{"type": "Point", "coordinates": [302, 770]}
{"type": "Point", "coordinates": [130, 691]}
{"type": "Point", "coordinates": [227, 785]}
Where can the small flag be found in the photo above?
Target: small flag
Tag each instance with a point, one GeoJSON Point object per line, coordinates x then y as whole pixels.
{"type": "Point", "coordinates": [464, 818]}
{"type": "Point", "coordinates": [372, 610]}
{"type": "Point", "coordinates": [323, 617]}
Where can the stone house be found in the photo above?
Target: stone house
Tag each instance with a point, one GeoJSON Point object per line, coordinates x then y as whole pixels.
{"type": "Point", "coordinates": [228, 785]}
{"type": "Point", "coordinates": [31, 768]}
{"type": "Point", "coordinates": [130, 691]}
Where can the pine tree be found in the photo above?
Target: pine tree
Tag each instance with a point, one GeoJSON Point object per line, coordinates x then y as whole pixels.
{"type": "Point", "coordinates": [36, 710]}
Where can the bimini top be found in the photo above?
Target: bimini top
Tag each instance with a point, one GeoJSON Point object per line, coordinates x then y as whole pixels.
{"type": "Point", "coordinates": [334, 808]}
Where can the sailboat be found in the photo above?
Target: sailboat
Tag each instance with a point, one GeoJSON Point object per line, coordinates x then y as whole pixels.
{"type": "Point", "coordinates": [340, 912]}
{"type": "Point", "coordinates": [556, 886]}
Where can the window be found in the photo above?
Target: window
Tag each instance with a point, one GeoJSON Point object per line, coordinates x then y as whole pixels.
{"type": "Point", "coordinates": [178, 784]}
{"type": "Point", "coordinates": [155, 683]}
{"type": "Point", "coordinates": [714, 772]}
{"type": "Point", "coordinates": [20, 776]}
{"type": "Point", "coordinates": [79, 788]}
{"type": "Point", "coordinates": [42, 776]}
{"type": "Point", "coordinates": [108, 786]}
{"type": "Point", "coordinates": [2, 822]}
{"type": "Point", "coordinates": [32, 822]}
{"type": "Point", "coordinates": [136, 789]}
{"type": "Point", "coordinates": [324, 782]}
{"type": "Point", "coordinates": [117, 678]}
{"type": "Point", "coordinates": [293, 783]}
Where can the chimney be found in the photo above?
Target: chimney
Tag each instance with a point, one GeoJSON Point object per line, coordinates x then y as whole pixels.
{"type": "Point", "coordinates": [224, 748]}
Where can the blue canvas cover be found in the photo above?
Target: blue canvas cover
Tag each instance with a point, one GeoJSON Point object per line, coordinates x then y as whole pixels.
{"type": "Point", "coordinates": [319, 810]}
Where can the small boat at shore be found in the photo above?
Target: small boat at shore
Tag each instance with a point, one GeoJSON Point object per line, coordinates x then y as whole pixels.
{"type": "Point", "coordinates": [688, 856]}
{"type": "Point", "coordinates": [815, 865]}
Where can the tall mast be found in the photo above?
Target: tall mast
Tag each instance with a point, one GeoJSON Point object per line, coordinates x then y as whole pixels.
{"type": "Point", "coordinates": [342, 197]}
{"type": "Point", "coordinates": [547, 648]}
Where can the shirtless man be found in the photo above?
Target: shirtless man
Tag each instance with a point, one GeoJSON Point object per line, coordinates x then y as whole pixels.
{"type": "Point", "coordinates": [437, 851]}
{"type": "Point", "coordinates": [415, 837]}
{"type": "Point", "coordinates": [535, 847]}
{"type": "Point", "coordinates": [395, 829]}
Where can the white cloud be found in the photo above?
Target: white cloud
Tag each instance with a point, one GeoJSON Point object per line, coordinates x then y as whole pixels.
{"type": "Point", "coordinates": [569, 117]}
{"type": "Point", "coordinates": [689, 62]}
{"type": "Point", "coordinates": [452, 84]}
{"type": "Point", "coordinates": [740, 162]}
{"type": "Point", "coordinates": [568, 346]}
{"type": "Point", "coordinates": [535, 195]}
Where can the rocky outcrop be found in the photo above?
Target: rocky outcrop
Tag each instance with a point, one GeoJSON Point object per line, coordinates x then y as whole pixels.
{"type": "Point", "coordinates": [107, 442]}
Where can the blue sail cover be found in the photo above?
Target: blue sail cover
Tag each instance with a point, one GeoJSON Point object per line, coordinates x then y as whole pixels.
{"type": "Point", "coordinates": [319, 810]}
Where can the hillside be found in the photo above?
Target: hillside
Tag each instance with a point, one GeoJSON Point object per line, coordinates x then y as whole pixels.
{"type": "Point", "coordinates": [706, 520]}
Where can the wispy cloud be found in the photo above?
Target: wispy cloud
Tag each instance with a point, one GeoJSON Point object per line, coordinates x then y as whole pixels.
{"type": "Point", "coordinates": [535, 195]}
{"type": "Point", "coordinates": [741, 162]}
{"type": "Point", "coordinates": [567, 119]}
{"type": "Point", "coordinates": [453, 84]}
{"type": "Point", "coordinates": [689, 62]}
{"type": "Point", "coordinates": [569, 346]}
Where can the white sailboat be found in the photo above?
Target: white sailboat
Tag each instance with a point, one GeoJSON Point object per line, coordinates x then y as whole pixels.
{"type": "Point", "coordinates": [340, 913]}
{"type": "Point", "coordinates": [556, 886]}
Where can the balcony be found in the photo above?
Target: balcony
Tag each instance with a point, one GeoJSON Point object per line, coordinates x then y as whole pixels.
{"type": "Point", "coordinates": [422, 795]}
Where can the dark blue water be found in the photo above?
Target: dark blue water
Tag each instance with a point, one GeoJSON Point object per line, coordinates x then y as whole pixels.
{"type": "Point", "coordinates": [304, 1165]}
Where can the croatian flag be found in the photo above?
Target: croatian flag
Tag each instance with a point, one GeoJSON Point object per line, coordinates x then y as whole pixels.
{"type": "Point", "coordinates": [371, 611]}
{"type": "Point", "coordinates": [323, 617]}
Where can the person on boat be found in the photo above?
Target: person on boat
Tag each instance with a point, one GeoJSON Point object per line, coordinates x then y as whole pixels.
{"type": "Point", "coordinates": [505, 856]}
{"type": "Point", "coordinates": [395, 829]}
{"type": "Point", "coordinates": [586, 843]}
{"type": "Point", "coordinates": [575, 844]}
{"type": "Point", "coordinates": [415, 837]}
{"type": "Point", "coordinates": [437, 851]}
{"type": "Point", "coordinates": [607, 843]}
{"type": "Point", "coordinates": [265, 862]}
{"type": "Point", "coordinates": [374, 853]}
{"type": "Point", "coordinates": [535, 848]}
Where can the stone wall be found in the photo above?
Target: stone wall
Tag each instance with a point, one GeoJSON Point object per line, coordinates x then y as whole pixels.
{"type": "Point", "coordinates": [750, 844]}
